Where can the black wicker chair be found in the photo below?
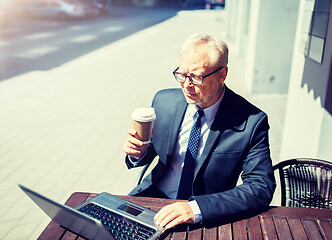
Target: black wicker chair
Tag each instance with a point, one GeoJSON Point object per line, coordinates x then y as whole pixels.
{"type": "Point", "coordinates": [305, 182]}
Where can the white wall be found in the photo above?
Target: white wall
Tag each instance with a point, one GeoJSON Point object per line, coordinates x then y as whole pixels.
{"type": "Point", "coordinates": [308, 121]}
{"type": "Point", "coordinates": [275, 63]}
{"type": "Point", "coordinates": [325, 139]}
{"type": "Point", "coordinates": [270, 47]}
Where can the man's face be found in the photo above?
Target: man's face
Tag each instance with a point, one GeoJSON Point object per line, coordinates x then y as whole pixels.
{"type": "Point", "coordinates": [197, 62]}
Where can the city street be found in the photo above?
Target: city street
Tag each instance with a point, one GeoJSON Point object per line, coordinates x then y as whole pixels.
{"type": "Point", "coordinates": [30, 44]}
{"type": "Point", "coordinates": [66, 97]}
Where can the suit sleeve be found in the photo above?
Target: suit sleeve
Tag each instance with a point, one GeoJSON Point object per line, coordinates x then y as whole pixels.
{"type": "Point", "coordinates": [256, 191]}
{"type": "Point", "coordinates": [149, 154]}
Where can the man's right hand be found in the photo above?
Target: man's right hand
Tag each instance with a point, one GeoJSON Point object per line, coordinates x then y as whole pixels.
{"type": "Point", "coordinates": [134, 147]}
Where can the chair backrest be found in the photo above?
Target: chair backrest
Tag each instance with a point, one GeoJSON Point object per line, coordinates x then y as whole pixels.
{"type": "Point", "coordinates": [305, 182]}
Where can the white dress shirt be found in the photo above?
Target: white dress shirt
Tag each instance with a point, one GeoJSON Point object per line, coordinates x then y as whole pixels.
{"type": "Point", "coordinates": [170, 183]}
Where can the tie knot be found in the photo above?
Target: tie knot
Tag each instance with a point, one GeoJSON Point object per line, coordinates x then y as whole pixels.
{"type": "Point", "coordinates": [199, 114]}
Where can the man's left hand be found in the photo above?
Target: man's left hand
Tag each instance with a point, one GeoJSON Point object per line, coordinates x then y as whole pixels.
{"type": "Point", "coordinates": [174, 214]}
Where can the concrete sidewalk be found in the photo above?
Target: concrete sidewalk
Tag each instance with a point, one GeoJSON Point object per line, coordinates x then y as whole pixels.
{"type": "Point", "coordinates": [62, 130]}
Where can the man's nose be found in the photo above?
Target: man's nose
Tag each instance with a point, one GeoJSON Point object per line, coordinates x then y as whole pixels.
{"type": "Point", "coordinates": [187, 82]}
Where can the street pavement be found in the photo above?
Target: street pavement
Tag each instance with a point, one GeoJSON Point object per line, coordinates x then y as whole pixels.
{"type": "Point", "coordinates": [62, 130]}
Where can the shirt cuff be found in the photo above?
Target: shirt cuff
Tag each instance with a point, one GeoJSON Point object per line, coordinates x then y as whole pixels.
{"type": "Point", "coordinates": [197, 212]}
{"type": "Point", "coordinates": [135, 161]}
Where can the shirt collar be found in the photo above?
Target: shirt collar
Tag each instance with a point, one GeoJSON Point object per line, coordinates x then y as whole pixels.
{"type": "Point", "coordinates": [209, 112]}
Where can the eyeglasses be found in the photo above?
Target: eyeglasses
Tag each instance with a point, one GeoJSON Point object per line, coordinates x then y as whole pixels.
{"type": "Point", "coordinates": [194, 79]}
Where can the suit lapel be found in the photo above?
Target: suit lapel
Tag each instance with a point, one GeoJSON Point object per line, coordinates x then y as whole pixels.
{"type": "Point", "coordinates": [218, 126]}
{"type": "Point", "coordinates": [176, 121]}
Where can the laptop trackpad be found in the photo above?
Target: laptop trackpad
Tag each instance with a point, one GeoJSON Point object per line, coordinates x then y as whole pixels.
{"type": "Point", "coordinates": [131, 209]}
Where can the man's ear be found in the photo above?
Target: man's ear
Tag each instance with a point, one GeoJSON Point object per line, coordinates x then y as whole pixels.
{"type": "Point", "coordinates": [223, 74]}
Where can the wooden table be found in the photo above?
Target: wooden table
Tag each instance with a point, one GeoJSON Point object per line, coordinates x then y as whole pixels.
{"type": "Point", "coordinates": [276, 223]}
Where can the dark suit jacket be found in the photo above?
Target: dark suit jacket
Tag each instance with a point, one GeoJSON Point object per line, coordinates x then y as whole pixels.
{"type": "Point", "coordinates": [237, 143]}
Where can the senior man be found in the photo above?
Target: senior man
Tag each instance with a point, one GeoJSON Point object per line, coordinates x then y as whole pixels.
{"type": "Point", "coordinates": [205, 136]}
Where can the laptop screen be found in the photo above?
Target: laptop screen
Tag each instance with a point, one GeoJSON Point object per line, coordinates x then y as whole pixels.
{"type": "Point", "coordinates": [69, 218]}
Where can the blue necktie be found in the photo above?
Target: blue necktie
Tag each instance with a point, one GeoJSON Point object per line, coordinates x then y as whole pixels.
{"type": "Point", "coordinates": [187, 176]}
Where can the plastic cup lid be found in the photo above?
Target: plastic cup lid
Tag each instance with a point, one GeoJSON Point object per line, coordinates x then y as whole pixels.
{"type": "Point", "coordinates": [144, 114]}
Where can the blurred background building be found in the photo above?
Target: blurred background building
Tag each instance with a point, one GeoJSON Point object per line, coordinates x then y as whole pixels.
{"type": "Point", "coordinates": [286, 48]}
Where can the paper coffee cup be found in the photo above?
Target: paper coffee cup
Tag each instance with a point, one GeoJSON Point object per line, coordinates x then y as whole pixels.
{"type": "Point", "coordinates": [143, 119]}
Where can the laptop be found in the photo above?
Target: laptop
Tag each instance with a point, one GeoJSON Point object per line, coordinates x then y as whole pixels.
{"type": "Point", "coordinates": [102, 217]}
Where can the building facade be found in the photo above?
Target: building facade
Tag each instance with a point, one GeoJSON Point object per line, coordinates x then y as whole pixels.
{"type": "Point", "coordinates": [287, 48]}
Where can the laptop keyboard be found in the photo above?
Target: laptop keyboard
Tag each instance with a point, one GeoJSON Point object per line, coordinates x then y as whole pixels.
{"type": "Point", "coordinates": [122, 228]}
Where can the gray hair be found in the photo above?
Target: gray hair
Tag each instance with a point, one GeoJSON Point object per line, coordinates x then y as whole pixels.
{"type": "Point", "coordinates": [218, 49]}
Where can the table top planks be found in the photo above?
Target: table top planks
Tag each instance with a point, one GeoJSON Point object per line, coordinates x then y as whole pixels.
{"type": "Point", "coordinates": [275, 223]}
